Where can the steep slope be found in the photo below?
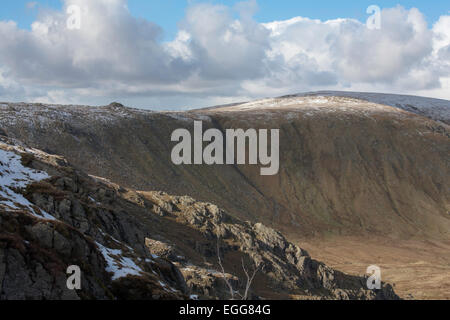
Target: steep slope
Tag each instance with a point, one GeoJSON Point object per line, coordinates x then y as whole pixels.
{"type": "Point", "coordinates": [139, 245]}
{"type": "Point", "coordinates": [347, 166]}
{"type": "Point", "coordinates": [38, 245]}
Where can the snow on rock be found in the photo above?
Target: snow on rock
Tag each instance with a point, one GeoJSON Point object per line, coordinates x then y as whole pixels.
{"type": "Point", "coordinates": [43, 115]}
{"type": "Point", "coordinates": [13, 176]}
{"type": "Point", "coordinates": [117, 264]}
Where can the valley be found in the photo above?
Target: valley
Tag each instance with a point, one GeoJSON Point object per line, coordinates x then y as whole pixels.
{"type": "Point", "coordinates": [363, 178]}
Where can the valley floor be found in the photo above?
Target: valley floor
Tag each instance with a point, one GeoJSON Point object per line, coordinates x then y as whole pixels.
{"type": "Point", "coordinates": [419, 269]}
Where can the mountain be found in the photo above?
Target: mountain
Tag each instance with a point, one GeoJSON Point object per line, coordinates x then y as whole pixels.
{"type": "Point", "coordinates": [436, 109]}
{"type": "Point", "coordinates": [140, 245]}
{"type": "Point", "coordinates": [350, 163]}
{"type": "Point", "coordinates": [363, 180]}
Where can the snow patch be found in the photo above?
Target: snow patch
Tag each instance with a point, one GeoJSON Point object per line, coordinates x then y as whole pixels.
{"type": "Point", "coordinates": [117, 264]}
{"type": "Point", "coordinates": [13, 176]}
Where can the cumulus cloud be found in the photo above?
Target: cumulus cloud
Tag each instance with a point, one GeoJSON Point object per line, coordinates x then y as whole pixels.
{"type": "Point", "coordinates": [441, 44]}
{"type": "Point", "coordinates": [110, 45]}
{"type": "Point", "coordinates": [215, 56]}
{"type": "Point", "coordinates": [224, 47]}
{"type": "Point", "coordinates": [346, 52]}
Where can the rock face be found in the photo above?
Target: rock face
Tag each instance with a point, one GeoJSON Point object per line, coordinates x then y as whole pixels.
{"type": "Point", "coordinates": [145, 245]}
{"type": "Point", "coordinates": [347, 166]}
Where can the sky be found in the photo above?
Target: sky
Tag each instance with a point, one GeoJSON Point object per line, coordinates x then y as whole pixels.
{"type": "Point", "coordinates": [185, 54]}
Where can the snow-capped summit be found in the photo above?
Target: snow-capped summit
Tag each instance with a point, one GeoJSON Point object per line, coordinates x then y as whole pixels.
{"type": "Point", "coordinates": [436, 109]}
{"type": "Point", "coordinates": [339, 102]}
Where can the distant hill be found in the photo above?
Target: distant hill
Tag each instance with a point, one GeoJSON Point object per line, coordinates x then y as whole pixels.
{"type": "Point", "coordinates": [350, 163]}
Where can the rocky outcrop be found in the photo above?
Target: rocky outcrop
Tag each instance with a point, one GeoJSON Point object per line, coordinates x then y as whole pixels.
{"type": "Point", "coordinates": [286, 267]}
{"type": "Point", "coordinates": [146, 245]}
{"type": "Point", "coordinates": [36, 251]}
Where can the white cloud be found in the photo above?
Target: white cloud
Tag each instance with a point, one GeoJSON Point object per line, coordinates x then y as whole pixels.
{"type": "Point", "coordinates": [225, 48]}
{"type": "Point", "coordinates": [348, 52]}
{"type": "Point", "coordinates": [441, 50]}
{"type": "Point", "coordinates": [216, 57]}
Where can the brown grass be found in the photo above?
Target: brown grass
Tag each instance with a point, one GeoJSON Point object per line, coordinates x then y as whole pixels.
{"type": "Point", "coordinates": [419, 269]}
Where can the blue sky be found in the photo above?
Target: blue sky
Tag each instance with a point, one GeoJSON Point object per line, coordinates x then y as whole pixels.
{"type": "Point", "coordinates": [167, 13]}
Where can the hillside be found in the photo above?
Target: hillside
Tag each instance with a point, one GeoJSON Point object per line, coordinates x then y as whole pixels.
{"type": "Point", "coordinates": [140, 245]}
{"type": "Point", "coordinates": [348, 166]}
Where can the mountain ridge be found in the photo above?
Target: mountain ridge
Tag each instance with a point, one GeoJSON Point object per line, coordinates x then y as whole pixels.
{"type": "Point", "coordinates": [433, 108]}
{"type": "Point", "coordinates": [347, 165]}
